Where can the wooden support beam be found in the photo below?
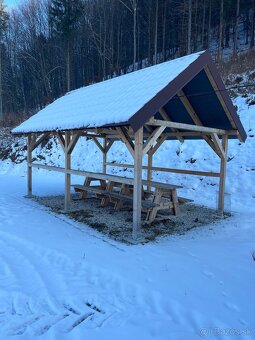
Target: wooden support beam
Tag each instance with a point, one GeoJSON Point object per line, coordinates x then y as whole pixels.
{"type": "Point", "coordinates": [104, 155]}
{"type": "Point", "coordinates": [177, 171]}
{"type": "Point", "coordinates": [149, 170]}
{"type": "Point", "coordinates": [218, 94]}
{"type": "Point", "coordinates": [137, 194]}
{"type": "Point", "coordinates": [67, 175]}
{"type": "Point", "coordinates": [218, 145]}
{"type": "Point", "coordinates": [32, 140]}
{"type": "Point", "coordinates": [61, 139]}
{"type": "Point", "coordinates": [166, 117]}
{"type": "Point", "coordinates": [40, 140]}
{"type": "Point", "coordinates": [127, 140]}
{"type": "Point", "coordinates": [160, 141]}
{"type": "Point", "coordinates": [189, 108]}
{"type": "Point", "coordinates": [29, 168]}
{"type": "Point", "coordinates": [223, 167]}
{"type": "Point", "coordinates": [98, 143]}
{"type": "Point", "coordinates": [109, 145]}
{"type": "Point", "coordinates": [73, 142]}
{"type": "Point", "coordinates": [148, 128]}
{"type": "Point", "coordinates": [152, 139]}
{"type": "Point", "coordinates": [182, 126]}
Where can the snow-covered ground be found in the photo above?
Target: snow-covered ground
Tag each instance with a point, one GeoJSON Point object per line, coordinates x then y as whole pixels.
{"type": "Point", "coordinates": [62, 280]}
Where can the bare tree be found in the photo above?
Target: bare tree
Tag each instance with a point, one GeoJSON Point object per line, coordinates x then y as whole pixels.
{"type": "Point", "coordinates": [219, 55]}
{"type": "Point", "coordinates": [236, 26]}
{"type": "Point", "coordinates": [132, 7]}
{"type": "Point", "coordinates": [189, 27]}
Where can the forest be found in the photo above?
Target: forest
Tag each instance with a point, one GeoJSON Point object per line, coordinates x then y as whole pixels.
{"type": "Point", "coordinates": [49, 47]}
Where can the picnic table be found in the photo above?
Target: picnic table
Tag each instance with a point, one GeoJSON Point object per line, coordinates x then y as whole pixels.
{"type": "Point", "coordinates": [119, 191]}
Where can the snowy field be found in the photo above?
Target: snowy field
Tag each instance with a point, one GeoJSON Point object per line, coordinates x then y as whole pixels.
{"type": "Point", "coordinates": [59, 279]}
{"type": "Point", "coordinates": [62, 280]}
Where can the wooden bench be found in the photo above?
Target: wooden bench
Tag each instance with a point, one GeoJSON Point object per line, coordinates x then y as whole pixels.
{"type": "Point", "coordinates": [115, 195]}
{"type": "Point", "coordinates": [119, 190]}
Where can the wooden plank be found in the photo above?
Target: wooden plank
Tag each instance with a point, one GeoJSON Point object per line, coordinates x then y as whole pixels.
{"type": "Point", "coordinates": [222, 183]}
{"type": "Point", "coordinates": [129, 144]}
{"type": "Point", "coordinates": [166, 117]}
{"type": "Point", "coordinates": [197, 134]}
{"type": "Point", "coordinates": [152, 139]}
{"type": "Point", "coordinates": [145, 203]}
{"type": "Point", "coordinates": [67, 175]}
{"type": "Point", "coordinates": [156, 122]}
{"type": "Point", "coordinates": [137, 194]}
{"type": "Point", "coordinates": [113, 178]}
{"type": "Point", "coordinates": [177, 171]}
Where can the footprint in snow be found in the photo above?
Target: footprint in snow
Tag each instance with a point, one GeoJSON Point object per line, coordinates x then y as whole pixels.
{"type": "Point", "coordinates": [231, 306]}
{"type": "Point", "coordinates": [208, 274]}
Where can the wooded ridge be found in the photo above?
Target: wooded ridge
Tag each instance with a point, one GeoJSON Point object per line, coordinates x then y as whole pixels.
{"type": "Point", "coordinates": [49, 47]}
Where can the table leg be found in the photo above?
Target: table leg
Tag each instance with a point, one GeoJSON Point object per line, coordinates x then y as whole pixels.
{"type": "Point", "coordinates": [175, 202]}
{"type": "Point", "coordinates": [106, 199]}
{"type": "Point", "coordinates": [156, 199]}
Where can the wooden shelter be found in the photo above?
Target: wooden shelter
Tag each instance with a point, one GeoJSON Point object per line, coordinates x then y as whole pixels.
{"type": "Point", "coordinates": [181, 99]}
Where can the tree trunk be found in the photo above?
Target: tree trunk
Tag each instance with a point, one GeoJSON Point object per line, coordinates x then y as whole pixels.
{"type": "Point", "coordinates": [189, 27]}
{"type": "Point", "coordinates": [156, 35]}
{"type": "Point", "coordinates": [134, 33]}
{"type": "Point", "coordinates": [209, 24]}
{"type": "Point", "coordinates": [252, 24]}
{"type": "Point", "coordinates": [236, 26]}
{"type": "Point", "coordinates": [68, 81]}
{"type": "Point", "coordinates": [203, 27]}
{"type": "Point", "coordinates": [219, 56]}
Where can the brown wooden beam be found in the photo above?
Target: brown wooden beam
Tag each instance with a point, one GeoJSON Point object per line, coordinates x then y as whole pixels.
{"type": "Point", "coordinates": [177, 171]}
{"type": "Point", "coordinates": [166, 117]}
{"type": "Point", "coordinates": [189, 108]}
{"type": "Point", "coordinates": [137, 193]}
{"type": "Point", "coordinates": [223, 167]}
{"type": "Point", "coordinates": [126, 139]}
{"type": "Point", "coordinates": [152, 139]}
{"type": "Point", "coordinates": [67, 175]}
{"type": "Point", "coordinates": [29, 169]}
{"type": "Point", "coordinates": [190, 127]}
{"type": "Point", "coordinates": [72, 143]}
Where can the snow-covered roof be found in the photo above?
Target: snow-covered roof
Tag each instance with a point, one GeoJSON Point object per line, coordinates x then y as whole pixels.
{"type": "Point", "coordinates": [130, 99]}
{"type": "Point", "coordinates": [108, 102]}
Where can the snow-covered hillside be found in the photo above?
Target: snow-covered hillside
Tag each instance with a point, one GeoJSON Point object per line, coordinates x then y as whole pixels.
{"type": "Point", "coordinates": [194, 155]}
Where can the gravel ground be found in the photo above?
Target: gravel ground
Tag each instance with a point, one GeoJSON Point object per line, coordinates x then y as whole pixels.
{"type": "Point", "coordinates": [118, 224]}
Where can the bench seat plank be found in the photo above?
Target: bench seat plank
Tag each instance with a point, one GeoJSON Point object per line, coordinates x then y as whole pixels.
{"type": "Point", "coordinates": [145, 203]}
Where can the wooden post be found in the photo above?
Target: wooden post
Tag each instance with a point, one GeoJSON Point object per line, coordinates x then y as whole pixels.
{"type": "Point", "coordinates": [137, 195]}
{"type": "Point", "coordinates": [223, 166]}
{"type": "Point", "coordinates": [149, 172]}
{"type": "Point", "coordinates": [67, 176]}
{"type": "Point", "coordinates": [104, 155]}
{"type": "Point", "coordinates": [29, 167]}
